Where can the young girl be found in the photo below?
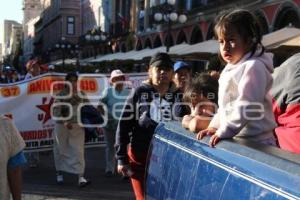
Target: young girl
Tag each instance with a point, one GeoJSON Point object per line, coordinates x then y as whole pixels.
{"type": "Point", "coordinates": [201, 93]}
{"type": "Point", "coordinates": [245, 107]}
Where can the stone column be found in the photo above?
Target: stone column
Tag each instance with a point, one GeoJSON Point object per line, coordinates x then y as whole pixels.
{"type": "Point", "coordinates": [147, 12]}
{"type": "Point", "coordinates": [134, 11]}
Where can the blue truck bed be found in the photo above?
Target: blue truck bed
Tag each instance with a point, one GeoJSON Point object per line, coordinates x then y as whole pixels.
{"type": "Point", "coordinates": [180, 167]}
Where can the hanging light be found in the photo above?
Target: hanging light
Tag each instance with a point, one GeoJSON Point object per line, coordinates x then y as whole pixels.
{"type": "Point", "coordinates": [158, 17]}
{"type": "Point", "coordinates": [173, 16]}
{"type": "Point", "coordinates": [182, 18]}
{"type": "Point", "coordinates": [172, 2]}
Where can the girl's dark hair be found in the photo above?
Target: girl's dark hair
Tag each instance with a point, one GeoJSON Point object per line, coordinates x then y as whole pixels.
{"type": "Point", "coordinates": [202, 84]}
{"type": "Point", "coordinates": [245, 23]}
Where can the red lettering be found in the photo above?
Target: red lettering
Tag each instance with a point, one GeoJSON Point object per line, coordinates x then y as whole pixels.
{"type": "Point", "coordinates": [37, 134]}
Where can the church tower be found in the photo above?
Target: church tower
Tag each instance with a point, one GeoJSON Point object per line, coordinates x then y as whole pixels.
{"type": "Point", "coordinates": [32, 9]}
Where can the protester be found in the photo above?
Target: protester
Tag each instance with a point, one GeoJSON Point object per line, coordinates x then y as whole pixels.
{"type": "Point", "coordinates": [286, 103]}
{"type": "Point", "coordinates": [202, 94]}
{"type": "Point", "coordinates": [182, 76]}
{"type": "Point", "coordinates": [33, 69]}
{"type": "Point", "coordinates": [69, 136]}
{"type": "Point", "coordinates": [11, 160]}
{"type": "Point", "coordinates": [114, 100]}
{"type": "Point", "coordinates": [150, 104]}
{"type": "Point", "coordinates": [245, 106]}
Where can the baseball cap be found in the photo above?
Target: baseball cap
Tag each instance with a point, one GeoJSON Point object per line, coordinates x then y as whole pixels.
{"type": "Point", "coordinates": [180, 65]}
{"type": "Point", "coordinates": [116, 73]}
{"type": "Point", "coordinates": [161, 60]}
{"type": "Point", "coordinates": [51, 67]}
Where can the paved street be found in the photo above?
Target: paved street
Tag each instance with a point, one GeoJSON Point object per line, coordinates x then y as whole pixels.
{"type": "Point", "coordinates": [39, 183]}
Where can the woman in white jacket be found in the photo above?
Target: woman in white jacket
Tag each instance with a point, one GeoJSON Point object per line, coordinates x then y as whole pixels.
{"type": "Point", "coordinates": [245, 106]}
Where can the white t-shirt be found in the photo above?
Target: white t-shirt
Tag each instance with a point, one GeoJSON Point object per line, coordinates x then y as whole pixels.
{"type": "Point", "coordinates": [11, 143]}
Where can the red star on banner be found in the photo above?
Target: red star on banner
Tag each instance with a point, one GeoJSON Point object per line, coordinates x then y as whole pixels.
{"type": "Point", "coordinates": [46, 108]}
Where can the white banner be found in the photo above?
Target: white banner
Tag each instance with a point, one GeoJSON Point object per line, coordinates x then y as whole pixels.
{"type": "Point", "coordinates": [28, 103]}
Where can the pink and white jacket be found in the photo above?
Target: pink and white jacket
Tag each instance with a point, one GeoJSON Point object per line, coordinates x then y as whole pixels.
{"type": "Point", "coordinates": [245, 104]}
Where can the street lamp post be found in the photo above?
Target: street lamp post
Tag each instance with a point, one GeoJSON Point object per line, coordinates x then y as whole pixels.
{"type": "Point", "coordinates": [67, 48]}
{"type": "Point", "coordinates": [95, 37]}
{"type": "Point", "coordinates": [166, 12]}
{"type": "Point", "coordinates": [76, 52]}
{"type": "Point", "coordinates": [64, 46]}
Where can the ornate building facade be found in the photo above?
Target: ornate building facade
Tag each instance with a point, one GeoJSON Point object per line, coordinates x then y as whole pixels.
{"type": "Point", "coordinates": [272, 14]}
{"type": "Point", "coordinates": [59, 20]}
{"type": "Point", "coordinates": [31, 12]}
{"type": "Point", "coordinates": [130, 23]}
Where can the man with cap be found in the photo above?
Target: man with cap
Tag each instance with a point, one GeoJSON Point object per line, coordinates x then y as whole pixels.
{"type": "Point", "coordinates": [113, 100]}
{"type": "Point", "coordinates": [182, 76]}
{"type": "Point", "coordinates": [33, 69]}
{"type": "Point", "coordinates": [51, 68]}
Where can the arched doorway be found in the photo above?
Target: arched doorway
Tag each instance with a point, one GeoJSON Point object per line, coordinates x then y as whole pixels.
{"type": "Point", "coordinates": [170, 38]}
{"type": "Point", "coordinates": [287, 16]}
{"type": "Point", "coordinates": [157, 42]}
{"type": "Point", "coordinates": [210, 33]}
{"type": "Point", "coordinates": [123, 47]}
{"type": "Point", "coordinates": [196, 36]}
{"type": "Point", "coordinates": [138, 45]}
{"type": "Point", "coordinates": [264, 27]}
{"type": "Point", "coordinates": [181, 37]}
{"type": "Point", "coordinates": [117, 49]}
{"type": "Point", "coordinates": [147, 43]}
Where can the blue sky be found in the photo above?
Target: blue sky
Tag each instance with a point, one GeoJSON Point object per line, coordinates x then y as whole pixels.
{"type": "Point", "coordinates": [12, 10]}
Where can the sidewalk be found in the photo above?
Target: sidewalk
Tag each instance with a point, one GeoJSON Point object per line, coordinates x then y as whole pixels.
{"type": "Point", "coordinates": [39, 183]}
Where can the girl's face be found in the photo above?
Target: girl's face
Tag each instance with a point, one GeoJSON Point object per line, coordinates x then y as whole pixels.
{"type": "Point", "coordinates": [160, 75]}
{"type": "Point", "coordinates": [232, 46]}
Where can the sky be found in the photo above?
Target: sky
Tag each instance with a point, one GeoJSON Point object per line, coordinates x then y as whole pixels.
{"type": "Point", "coordinates": [11, 10]}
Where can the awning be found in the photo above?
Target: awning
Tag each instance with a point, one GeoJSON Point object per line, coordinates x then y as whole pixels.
{"type": "Point", "coordinates": [293, 42]}
{"type": "Point", "coordinates": [182, 50]}
{"type": "Point", "coordinates": [276, 38]}
{"type": "Point", "coordinates": [203, 50]}
{"type": "Point", "coordinates": [199, 51]}
{"type": "Point", "coordinates": [67, 61]}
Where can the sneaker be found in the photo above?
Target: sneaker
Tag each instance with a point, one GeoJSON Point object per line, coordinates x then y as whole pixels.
{"type": "Point", "coordinates": [59, 179]}
{"type": "Point", "coordinates": [108, 174]}
{"type": "Point", "coordinates": [83, 182]}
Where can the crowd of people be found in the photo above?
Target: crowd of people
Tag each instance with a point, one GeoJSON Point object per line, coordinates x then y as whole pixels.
{"type": "Point", "coordinates": [9, 74]}
{"type": "Point", "coordinates": [245, 100]}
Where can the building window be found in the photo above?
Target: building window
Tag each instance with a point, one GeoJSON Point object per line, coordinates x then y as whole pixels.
{"type": "Point", "coordinates": [70, 25]}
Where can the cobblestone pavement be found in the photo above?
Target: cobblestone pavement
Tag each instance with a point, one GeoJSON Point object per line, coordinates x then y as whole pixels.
{"type": "Point", "coordinates": [39, 183]}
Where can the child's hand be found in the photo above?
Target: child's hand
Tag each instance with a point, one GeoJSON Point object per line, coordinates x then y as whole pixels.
{"type": "Point", "coordinates": [214, 139]}
{"type": "Point", "coordinates": [205, 132]}
{"type": "Point", "coordinates": [186, 121]}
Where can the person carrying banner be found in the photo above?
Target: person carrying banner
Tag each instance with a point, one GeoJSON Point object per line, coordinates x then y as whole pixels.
{"type": "Point", "coordinates": [11, 160]}
{"type": "Point", "coordinates": [33, 69]}
{"type": "Point", "coordinates": [68, 147]}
